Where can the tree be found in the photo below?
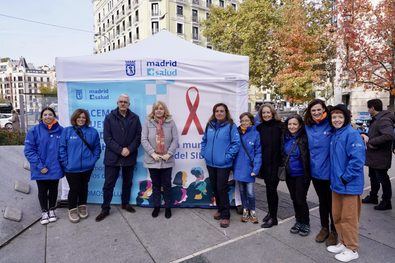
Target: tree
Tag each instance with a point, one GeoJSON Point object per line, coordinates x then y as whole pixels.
{"type": "Point", "coordinates": [367, 37]}
{"type": "Point", "coordinates": [48, 90]}
{"type": "Point", "coordinates": [248, 31]}
{"type": "Point", "coordinates": [304, 48]}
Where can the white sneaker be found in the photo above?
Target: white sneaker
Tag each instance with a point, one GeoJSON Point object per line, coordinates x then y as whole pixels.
{"type": "Point", "coordinates": [339, 248]}
{"type": "Point", "coordinates": [52, 216]}
{"type": "Point", "coordinates": [347, 255]}
{"type": "Point", "coordinates": [44, 218]}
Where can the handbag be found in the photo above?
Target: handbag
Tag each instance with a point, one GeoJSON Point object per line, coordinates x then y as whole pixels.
{"type": "Point", "coordinates": [79, 133]}
{"type": "Point", "coordinates": [282, 170]}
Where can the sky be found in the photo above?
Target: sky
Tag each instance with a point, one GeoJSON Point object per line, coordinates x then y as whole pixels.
{"type": "Point", "coordinates": [40, 44]}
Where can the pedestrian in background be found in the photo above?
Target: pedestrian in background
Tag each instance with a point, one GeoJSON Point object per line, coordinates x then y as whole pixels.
{"type": "Point", "coordinates": [78, 152]}
{"type": "Point", "coordinates": [16, 125]}
{"type": "Point", "coordinates": [296, 157]}
{"type": "Point", "coordinates": [159, 139]}
{"type": "Point", "coordinates": [319, 133]}
{"type": "Point", "coordinates": [270, 130]}
{"type": "Point", "coordinates": [247, 165]}
{"type": "Point", "coordinates": [347, 158]}
{"type": "Point", "coordinates": [41, 150]}
{"type": "Point", "coordinates": [219, 147]}
{"type": "Point", "coordinates": [378, 153]}
{"type": "Point", "coordinates": [122, 136]}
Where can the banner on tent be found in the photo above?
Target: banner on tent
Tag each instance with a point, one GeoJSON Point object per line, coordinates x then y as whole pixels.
{"type": "Point", "coordinates": [190, 104]}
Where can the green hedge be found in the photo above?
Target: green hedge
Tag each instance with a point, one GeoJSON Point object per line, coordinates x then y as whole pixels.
{"type": "Point", "coordinates": [11, 138]}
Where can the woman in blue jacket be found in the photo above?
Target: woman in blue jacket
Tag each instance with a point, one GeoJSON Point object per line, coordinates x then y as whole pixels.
{"type": "Point", "coordinates": [319, 133]}
{"type": "Point", "coordinates": [247, 165]}
{"type": "Point", "coordinates": [296, 154]}
{"type": "Point", "coordinates": [220, 145]}
{"type": "Point", "coordinates": [41, 148]}
{"type": "Point", "coordinates": [347, 157]}
{"type": "Point", "coordinates": [78, 152]}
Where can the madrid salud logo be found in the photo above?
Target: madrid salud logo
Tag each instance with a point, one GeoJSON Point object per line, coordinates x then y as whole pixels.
{"type": "Point", "coordinates": [130, 67]}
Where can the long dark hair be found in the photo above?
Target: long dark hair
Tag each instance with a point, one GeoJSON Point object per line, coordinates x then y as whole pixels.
{"type": "Point", "coordinates": [298, 118]}
{"type": "Point", "coordinates": [308, 119]}
{"type": "Point", "coordinates": [228, 117]}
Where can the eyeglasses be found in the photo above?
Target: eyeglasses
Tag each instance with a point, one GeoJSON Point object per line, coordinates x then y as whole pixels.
{"type": "Point", "coordinates": [123, 101]}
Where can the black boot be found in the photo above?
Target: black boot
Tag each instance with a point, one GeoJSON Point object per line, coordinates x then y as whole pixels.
{"type": "Point", "coordinates": [167, 213]}
{"type": "Point", "coordinates": [155, 213]}
{"type": "Point", "coordinates": [267, 217]}
{"type": "Point", "coordinates": [384, 205]}
{"type": "Point", "coordinates": [370, 199]}
{"type": "Point", "coordinates": [269, 223]}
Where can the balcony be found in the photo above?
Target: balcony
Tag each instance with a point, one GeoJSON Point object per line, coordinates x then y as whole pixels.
{"type": "Point", "coordinates": [195, 2]}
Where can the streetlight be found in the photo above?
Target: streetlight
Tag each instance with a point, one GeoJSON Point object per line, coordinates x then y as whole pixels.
{"type": "Point", "coordinates": [98, 35]}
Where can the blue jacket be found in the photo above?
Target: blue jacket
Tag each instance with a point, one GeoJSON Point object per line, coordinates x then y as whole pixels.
{"type": "Point", "coordinates": [74, 155]}
{"type": "Point", "coordinates": [319, 137]}
{"type": "Point", "coordinates": [295, 161]}
{"type": "Point", "coordinates": [41, 150]}
{"type": "Point", "coordinates": [242, 167]}
{"type": "Point", "coordinates": [220, 144]}
{"type": "Point", "coordinates": [347, 155]}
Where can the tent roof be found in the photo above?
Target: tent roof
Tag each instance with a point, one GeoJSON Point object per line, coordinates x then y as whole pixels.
{"type": "Point", "coordinates": [161, 46]}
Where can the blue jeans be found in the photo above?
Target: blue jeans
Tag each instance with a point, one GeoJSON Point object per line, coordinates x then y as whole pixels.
{"type": "Point", "coordinates": [247, 195]}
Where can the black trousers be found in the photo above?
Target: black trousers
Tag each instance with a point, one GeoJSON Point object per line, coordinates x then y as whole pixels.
{"type": "Point", "coordinates": [298, 186]}
{"type": "Point", "coordinates": [323, 190]}
{"type": "Point", "coordinates": [161, 178]}
{"type": "Point", "coordinates": [78, 193]}
{"type": "Point", "coordinates": [47, 193]}
{"type": "Point", "coordinates": [377, 177]}
{"type": "Point", "coordinates": [219, 183]}
{"type": "Point", "coordinates": [111, 174]}
{"type": "Point", "coordinates": [271, 183]}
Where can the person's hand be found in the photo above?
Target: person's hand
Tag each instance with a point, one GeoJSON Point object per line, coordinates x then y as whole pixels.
{"type": "Point", "coordinates": [155, 156]}
{"type": "Point", "coordinates": [166, 156]}
{"type": "Point", "coordinates": [44, 170]}
{"type": "Point", "coordinates": [365, 138]}
{"type": "Point", "coordinates": [125, 152]}
{"type": "Point", "coordinates": [253, 174]}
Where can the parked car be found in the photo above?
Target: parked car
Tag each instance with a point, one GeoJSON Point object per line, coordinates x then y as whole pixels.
{"type": "Point", "coordinates": [5, 121]}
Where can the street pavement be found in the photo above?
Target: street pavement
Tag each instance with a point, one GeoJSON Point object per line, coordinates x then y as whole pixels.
{"type": "Point", "coordinates": [191, 235]}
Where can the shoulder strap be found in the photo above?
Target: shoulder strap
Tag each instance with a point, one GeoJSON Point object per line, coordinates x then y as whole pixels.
{"type": "Point", "coordinates": [292, 149]}
{"type": "Point", "coordinates": [245, 148]}
{"type": "Point", "coordinates": [79, 133]}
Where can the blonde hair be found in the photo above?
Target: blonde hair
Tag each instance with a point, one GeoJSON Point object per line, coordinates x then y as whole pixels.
{"type": "Point", "coordinates": [155, 106]}
{"type": "Point", "coordinates": [272, 110]}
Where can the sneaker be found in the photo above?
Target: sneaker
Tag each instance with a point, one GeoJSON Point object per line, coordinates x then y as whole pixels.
{"type": "Point", "coordinates": [304, 230]}
{"type": "Point", "coordinates": [167, 213]}
{"type": "Point", "coordinates": [155, 212]}
{"type": "Point", "coordinates": [369, 199]}
{"type": "Point", "coordinates": [44, 218]}
{"type": "Point", "coordinates": [295, 228]}
{"type": "Point", "coordinates": [128, 208]}
{"type": "Point", "coordinates": [73, 215]}
{"type": "Point", "coordinates": [332, 239]}
{"type": "Point", "coordinates": [336, 249]}
{"type": "Point", "coordinates": [103, 214]}
{"type": "Point", "coordinates": [217, 216]}
{"type": "Point", "coordinates": [245, 216]}
{"type": "Point", "coordinates": [253, 217]}
{"type": "Point", "coordinates": [322, 235]}
{"type": "Point", "coordinates": [224, 223]}
{"type": "Point", "coordinates": [83, 211]}
{"type": "Point", "coordinates": [384, 205]}
{"type": "Point", "coordinates": [347, 255]}
{"type": "Point", "coordinates": [52, 216]}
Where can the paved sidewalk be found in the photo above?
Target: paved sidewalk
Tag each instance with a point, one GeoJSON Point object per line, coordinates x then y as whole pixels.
{"type": "Point", "coordinates": [191, 235]}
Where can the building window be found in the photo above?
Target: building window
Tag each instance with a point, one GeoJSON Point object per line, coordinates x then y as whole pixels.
{"type": "Point", "coordinates": [221, 3]}
{"type": "Point", "coordinates": [124, 41]}
{"type": "Point", "coordinates": [136, 14]}
{"type": "Point", "coordinates": [208, 3]}
{"type": "Point", "coordinates": [113, 46]}
{"type": "Point", "coordinates": [137, 33]}
{"type": "Point", "coordinates": [180, 10]}
{"type": "Point", "coordinates": [234, 6]}
{"type": "Point", "coordinates": [20, 78]}
{"type": "Point", "coordinates": [195, 33]}
{"type": "Point", "coordinates": [112, 19]}
{"type": "Point", "coordinates": [180, 28]}
{"type": "Point", "coordinates": [123, 25]}
{"type": "Point", "coordinates": [117, 29]}
{"type": "Point", "coordinates": [123, 9]}
{"type": "Point", "coordinates": [155, 9]}
{"type": "Point", "coordinates": [119, 43]}
{"type": "Point", "coordinates": [195, 2]}
{"type": "Point", "coordinates": [195, 15]}
{"type": "Point", "coordinates": [155, 27]}
{"type": "Point", "coordinates": [130, 37]}
{"type": "Point", "coordinates": [130, 20]}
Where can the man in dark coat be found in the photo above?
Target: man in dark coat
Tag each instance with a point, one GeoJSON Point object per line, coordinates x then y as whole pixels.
{"type": "Point", "coordinates": [122, 135]}
{"type": "Point", "coordinates": [379, 153]}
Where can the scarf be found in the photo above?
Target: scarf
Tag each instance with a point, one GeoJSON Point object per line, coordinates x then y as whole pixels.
{"type": "Point", "coordinates": [243, 130]}
{"type": "Point", "coordinates": [323, 117]}
{"type": "Point", "coordinates": [51, 124]}
{"type": "Point", "coordinates": [160, 137]}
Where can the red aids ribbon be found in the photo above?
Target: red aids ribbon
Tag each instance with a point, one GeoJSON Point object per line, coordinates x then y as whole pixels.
{"type": "Point", "coordinates": [192, 112]}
